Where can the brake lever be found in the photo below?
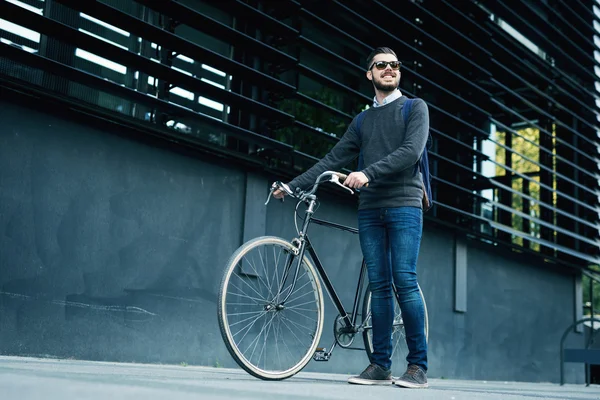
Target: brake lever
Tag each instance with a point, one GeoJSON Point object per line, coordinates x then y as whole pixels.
{"type": "Point", "coordinates": [337, 182]}
{"type": "Point", "coordinates": [281, 186]}
{"type": "Point", "coordinates": [270, 194]}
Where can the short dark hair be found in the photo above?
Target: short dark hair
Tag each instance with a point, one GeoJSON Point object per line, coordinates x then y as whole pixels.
{"type": "Point", "coordinates": [379, 50]}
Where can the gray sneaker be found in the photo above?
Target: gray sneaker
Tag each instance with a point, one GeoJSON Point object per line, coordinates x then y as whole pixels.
{"type": "Point", "coordinates": [414, 378]}
{"type": "Point", "coordinates": [373, 375]}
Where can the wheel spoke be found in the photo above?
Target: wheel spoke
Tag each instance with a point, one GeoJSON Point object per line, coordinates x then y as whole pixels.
{"type": "Point", "coordinates": [247, 284]}
{"type": "Point", "coordinates": [247, 319]}
{"type": "Point", "coordinates": [244, 313]}
{"type": "Point", "coordinates": [268, 285]}
{"type": "Point", "coordinates": [283, 338]}
{"type": "Point", "coordinates": [297, 306]}
{"type": "Point", "coordinates": [257, 338]}
{"type": "Point", "coordinates": [258, 274]}
{"type": "Point", "coordinates": [291, 330]}
{"type": "Point", "coordinates": [250, 325]}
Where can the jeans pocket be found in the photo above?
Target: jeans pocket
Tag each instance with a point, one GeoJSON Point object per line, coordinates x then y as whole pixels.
{"type": "Point", "coordinates": [407, 217]}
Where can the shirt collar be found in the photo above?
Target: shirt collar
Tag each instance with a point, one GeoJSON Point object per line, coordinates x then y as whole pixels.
{"type": "Point", "coordinates": [396, 94]}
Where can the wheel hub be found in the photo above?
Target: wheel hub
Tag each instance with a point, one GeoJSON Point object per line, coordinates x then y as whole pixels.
{"type": "Point", "coordinates": [274, 307]}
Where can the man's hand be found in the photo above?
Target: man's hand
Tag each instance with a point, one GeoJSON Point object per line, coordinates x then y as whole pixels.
{"type": "Point", "coordinates": [279, 194]}
{"type": "Point", "coordinates": [356, 180]}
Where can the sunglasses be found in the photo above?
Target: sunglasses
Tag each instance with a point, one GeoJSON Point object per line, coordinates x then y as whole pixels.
{"type": "Point", "coordinates": [381, 65]}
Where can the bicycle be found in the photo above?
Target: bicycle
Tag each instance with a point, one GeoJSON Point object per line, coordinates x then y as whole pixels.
{"type": "Point", "coordinates": [271, 314]}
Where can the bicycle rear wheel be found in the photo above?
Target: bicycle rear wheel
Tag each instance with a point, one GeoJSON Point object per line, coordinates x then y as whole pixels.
{"type": "Point", "coordinates": [399, 347]}
{"type": "Point", "coordinates": [268, 337]}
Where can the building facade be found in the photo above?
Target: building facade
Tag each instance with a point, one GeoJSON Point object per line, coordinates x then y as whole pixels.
{"type": "Point", "coordinates": [139, 140]}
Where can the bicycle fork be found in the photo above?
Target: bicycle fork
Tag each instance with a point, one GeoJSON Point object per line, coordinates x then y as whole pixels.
{"type": "Point", "coordinates": [299, 253]}
{"type": "Point", "coordinates": [280, 305]}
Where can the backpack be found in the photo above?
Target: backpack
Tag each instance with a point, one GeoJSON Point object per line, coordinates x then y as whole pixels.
{"type": "Point", "coordinates": [422, 165]}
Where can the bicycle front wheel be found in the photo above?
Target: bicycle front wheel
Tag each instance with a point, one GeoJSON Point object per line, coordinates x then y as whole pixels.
{"type": "Point", "coordinates": [399, 347]}
{"type": "Point", "coordinates": [270, 309]}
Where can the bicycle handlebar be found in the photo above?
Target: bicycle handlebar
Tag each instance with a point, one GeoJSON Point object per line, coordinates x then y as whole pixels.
{"type": "Point", "coordinates": [334, 177]}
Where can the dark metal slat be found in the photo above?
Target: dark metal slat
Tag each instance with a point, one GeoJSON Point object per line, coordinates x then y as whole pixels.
{"type": "Point", "coordinates": [63, 32]}
{"type": "Point", "coordinates": [323, 51]}
{"type": "Point", "coordinates": [514, 133]}
{"type": "Point", "coordinates": [421, 53]}
{"type": "Point", "coordinates": [450, 27]}
{"type": "Point", "coordinates": [549, 98]}
{"type": "Point", "coordinates": [388, 10]}
{"type": "Point", "coordinates": [532, 14]}
{"type": "Point", "coordinates": [541, 65]}
{"type": "Point", "coordinates": [506, 168]}
{"type": "Point", "coordinates": [507, 13]}
{"type": "Point", "coordinates": [588, 39]}
{"type": "Point", "coordinates": [96, 82]}
{"type": "Point", "coordinates": [263, 20]}
{"type": "Point", "coordinates": [203, 23]}
{"type": "Point", "coordinates": [546, 114]}
{"type": "Point", "coordinates": [530, 123]}
{"type": "Point", "coordinates": [323, 106]}
{"type": "Point", "coordinates": [176, 43]}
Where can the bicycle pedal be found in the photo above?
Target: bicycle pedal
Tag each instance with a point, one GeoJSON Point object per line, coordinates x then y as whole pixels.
{"type": "Point", "coordinates": [321, 354]}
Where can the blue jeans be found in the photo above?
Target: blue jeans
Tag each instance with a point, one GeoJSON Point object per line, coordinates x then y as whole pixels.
{"type": "Point", "coordinates": [390, 239]}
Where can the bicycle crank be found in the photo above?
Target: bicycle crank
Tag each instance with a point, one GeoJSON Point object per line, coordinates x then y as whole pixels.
{"type": "Point", "coordinates": [344, 335]}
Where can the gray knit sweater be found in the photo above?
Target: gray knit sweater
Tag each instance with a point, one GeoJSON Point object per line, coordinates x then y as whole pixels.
{"type": "Point", "coordinates": [390, 153]}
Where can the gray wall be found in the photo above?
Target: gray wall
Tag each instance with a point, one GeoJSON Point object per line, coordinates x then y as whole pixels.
{"type": "Point", "coordinates": [113, 249]}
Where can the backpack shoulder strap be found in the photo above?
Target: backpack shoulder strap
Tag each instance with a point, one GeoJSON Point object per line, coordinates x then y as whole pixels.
{"type": "Point", "coordinates": [406, 109]}
{"type": "Point", "coordinates": [359, 120]}
{"type": "Point", "coordinates": [423, 164]}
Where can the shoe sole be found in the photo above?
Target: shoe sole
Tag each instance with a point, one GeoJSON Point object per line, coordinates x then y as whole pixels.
{"type": "Point", "coordinates": [409, 385]}
{"type": "Point", "coordinates": [359, 381]}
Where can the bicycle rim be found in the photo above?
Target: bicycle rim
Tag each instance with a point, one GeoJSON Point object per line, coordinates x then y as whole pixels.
{"type": "Point", "coordinates": [268, 339]}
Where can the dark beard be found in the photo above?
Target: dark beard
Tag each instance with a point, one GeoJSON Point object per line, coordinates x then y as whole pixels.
{"type": "Point", "coordinates": [385, 87]}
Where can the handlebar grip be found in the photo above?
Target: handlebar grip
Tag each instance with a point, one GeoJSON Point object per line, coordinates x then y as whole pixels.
{"type": "Point", "coordinates": [343, 177]}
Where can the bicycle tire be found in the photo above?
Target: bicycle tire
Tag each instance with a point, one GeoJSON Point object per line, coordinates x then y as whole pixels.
{"type": "Point", "coordinates": [400, 350]}
{"type": "Point", "coordinates": [262, 304]}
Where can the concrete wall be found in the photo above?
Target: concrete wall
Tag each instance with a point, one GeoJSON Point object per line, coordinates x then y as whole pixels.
{"type": "Point", "coordinates": [112, 249]}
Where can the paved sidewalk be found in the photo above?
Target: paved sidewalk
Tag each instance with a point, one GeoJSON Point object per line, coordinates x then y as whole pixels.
{"type": "Point", "coordinates": [48, 379]}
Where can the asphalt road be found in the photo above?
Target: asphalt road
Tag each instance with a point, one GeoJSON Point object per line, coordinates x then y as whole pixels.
{"type": "Point", "coordinates": [49, 379]}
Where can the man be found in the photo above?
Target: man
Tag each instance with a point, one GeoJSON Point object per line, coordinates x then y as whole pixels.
{"type": "Point", "coordinates": [390, 216]}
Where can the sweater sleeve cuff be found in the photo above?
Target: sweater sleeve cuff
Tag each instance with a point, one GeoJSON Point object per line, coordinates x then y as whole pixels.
{"type": "Point", "coordinates": [293, 185]}
{"type": "Point", "coordinates": [367, 174]}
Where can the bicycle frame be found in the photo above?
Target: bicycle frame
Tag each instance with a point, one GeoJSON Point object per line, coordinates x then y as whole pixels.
{"type": "Point", "coordinates": [305, 244]}
{"type": "Point", "coordinates": [350, 321]}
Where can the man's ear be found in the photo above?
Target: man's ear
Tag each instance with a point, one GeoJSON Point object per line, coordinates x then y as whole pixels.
{"type": "Point", "coordinates": [369, 75]}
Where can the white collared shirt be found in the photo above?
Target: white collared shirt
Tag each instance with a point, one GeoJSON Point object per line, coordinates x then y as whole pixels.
{"type": "Point", "coordinates": [396, 94]}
